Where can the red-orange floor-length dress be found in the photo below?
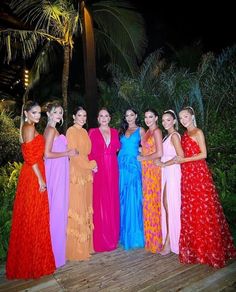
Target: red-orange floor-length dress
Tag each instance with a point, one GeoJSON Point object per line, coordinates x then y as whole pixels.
{"type": "Point", "coordinates": [30, 251]}
{"type": "Point", "coordinates": [205, 236]}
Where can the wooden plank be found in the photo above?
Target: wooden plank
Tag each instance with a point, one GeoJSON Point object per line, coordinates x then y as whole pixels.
{"type": "Point", "coordinates": [131, 271]}
{"type": "Point", "coordinates": [219, 281]}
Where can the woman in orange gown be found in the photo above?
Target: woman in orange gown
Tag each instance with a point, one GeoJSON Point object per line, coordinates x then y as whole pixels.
{"type": "Point", "coordinates": [30, 251]}
{"type": "Point", "coordinates": [151, 177]}
{"type": "Point", "coordinates": [205, 236]}
{"type": "Point", "coordinates": [79, 245]}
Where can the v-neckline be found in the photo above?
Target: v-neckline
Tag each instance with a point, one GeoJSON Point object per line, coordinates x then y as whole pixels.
{"type": "Point", "coordinates": [131, 134]}
{"type": "Point", "coordinates": [104, 138]}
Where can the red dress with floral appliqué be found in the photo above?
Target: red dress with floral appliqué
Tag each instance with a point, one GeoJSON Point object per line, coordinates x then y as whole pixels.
{"type": "Point", "coordinates": [205, 236]}
{"type": "Point", "coordinates": [30, 251]}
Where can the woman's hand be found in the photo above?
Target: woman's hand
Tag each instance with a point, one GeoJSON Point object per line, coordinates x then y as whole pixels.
{"type": "Point", "coordinates": [179, 159]}
{"type": "Point", "coordinates": [95, 169]}
{"type": "Point", "coordinates": [42, 185]}
{"type": "Point", "coordinates": [140, 158]}
{"type": "Point", "coordinates": [159, 163]}
{"type": "Point", "coordinates": [72, 152]}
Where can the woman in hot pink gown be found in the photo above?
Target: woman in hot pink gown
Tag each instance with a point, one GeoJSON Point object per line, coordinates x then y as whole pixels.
{"type": "Point", "coordinates": [105, 144]}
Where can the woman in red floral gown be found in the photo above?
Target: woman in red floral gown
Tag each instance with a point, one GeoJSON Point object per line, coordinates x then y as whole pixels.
{"type": "Point", "coordinates": [205, 236]}
{"type": "Point", "coordinates": [30, 251]}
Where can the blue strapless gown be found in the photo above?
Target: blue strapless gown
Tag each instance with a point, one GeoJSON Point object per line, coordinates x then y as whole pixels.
{"type": "Point", "coordinates": [130, 183]}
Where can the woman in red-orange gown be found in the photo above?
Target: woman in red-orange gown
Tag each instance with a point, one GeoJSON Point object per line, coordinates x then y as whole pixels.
{"type": "Point", "coordinates": [205, 235]}
{"type": "Point", "coordinates": [30, 251]}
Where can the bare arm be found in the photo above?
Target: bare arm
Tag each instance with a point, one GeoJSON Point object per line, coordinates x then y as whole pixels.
{"type": "Point", "coordinates": [28, 134]}
{"type": "Point", "coordinates": [142, 132]}
{"type": "Point", "coordinates": [49, 135]}
{"type": "Point", "coordinates": [158, 143]}
{"type": "Point", "coordinates": [200, 139]}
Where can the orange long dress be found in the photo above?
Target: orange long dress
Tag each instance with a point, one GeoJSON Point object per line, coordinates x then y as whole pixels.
{"type": "Point", "coordinates": [151, 178]}
{"type": "Point", "coordinates": [79, 243]}
{"type": "Point", "coordinates": [30, 251]}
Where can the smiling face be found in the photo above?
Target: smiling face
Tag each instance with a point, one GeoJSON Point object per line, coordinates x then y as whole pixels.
{"type": "Point", "coordinates": [33, 115]}
{"type": "Point", "coordinates": [186, 118]}
{"type": "Point", "coordinates": [56, 114]}
{"type": "Point", "coordinates": [150, 119]}
{"type": "Point", "coordinates": [130, 117]}
{"type": "Point", "coordinates": [168, 121]}
{"type": "Point", "coordinates": [80, 117]}
{"type": "Point", "coordinates": [104, 117]}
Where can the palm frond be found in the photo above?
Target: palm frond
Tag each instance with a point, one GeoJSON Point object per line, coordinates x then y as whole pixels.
{"type": "Point", "coordinates": [123, 28]}
{"type": "Point", "coordinates": [56, 18]}
{"type": "Point", "coordinates": [150, 69]}
{"type": "Point", "coordinates": [20, 42]}
{"type": "Point", "coordinates": [45, 60]}
{"type": "Point", "coordinates": [117, 56]}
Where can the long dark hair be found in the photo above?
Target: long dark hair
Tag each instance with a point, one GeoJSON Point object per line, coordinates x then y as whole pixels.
{"type": "Point", "coordinates": [152, 110]}
{"type": "Point", "coordinates": [124, 125]}
{"type": "Point", "coordinates": [80, 108]}
{"type": "Point", "coordinates": [26, 107]}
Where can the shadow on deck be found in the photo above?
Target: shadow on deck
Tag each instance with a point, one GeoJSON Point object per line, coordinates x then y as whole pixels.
{"type": "Point", "coordinates": [134, 271]}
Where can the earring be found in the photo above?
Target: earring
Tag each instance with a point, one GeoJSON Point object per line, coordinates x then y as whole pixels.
{"type": "Point", "coordinates": [26, 119]}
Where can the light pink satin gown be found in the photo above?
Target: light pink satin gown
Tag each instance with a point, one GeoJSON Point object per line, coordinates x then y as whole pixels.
{"type": "Point", "coordinates": [171, 178]}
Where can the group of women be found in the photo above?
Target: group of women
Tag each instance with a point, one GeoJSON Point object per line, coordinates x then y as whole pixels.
{"type": "Point", "coordinates": [91, 191]}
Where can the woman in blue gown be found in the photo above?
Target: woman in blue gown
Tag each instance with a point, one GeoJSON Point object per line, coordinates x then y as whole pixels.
{"type": "Point", "coordinates": [130, 183]}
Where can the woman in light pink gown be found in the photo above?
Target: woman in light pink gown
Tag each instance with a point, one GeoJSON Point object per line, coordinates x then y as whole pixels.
{"type": "Point", "coordinates": [57, 177]}
{"type": "Point", "coordinates": [171, 177]}
{"type": "Point", "coordinates": [105, 144]}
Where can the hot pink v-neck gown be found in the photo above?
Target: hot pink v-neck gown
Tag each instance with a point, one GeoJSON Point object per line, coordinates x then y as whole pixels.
{"type": "Point", "coordinates": [105, 191]}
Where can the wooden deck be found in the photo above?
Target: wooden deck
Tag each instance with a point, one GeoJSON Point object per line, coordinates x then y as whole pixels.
{"type": "Point", "coordinates": [133, 271]}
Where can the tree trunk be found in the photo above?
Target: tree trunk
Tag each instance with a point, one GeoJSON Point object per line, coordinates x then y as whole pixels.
{"type": "Point", "coordinates": [91, 98]}
{"type": "Point", "coordinates": [65, 79]}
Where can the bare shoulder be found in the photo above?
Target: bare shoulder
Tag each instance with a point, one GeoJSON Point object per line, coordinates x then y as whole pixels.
{"type": "Point", "coordinates": [142, 131]}
{"type": "Point", "coordinates": [199, 133]}
{"type": "Point", "coordinates": [50, 132]}
{"type": "Point", "coordinates": [28, 132]}
{"type": "Point", "coordinates": [158, 131]}
{"type": "Point", "coordinates": [175, 136]}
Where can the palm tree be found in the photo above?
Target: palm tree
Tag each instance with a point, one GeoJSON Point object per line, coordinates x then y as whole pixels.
{"type": "Point", "coordinates": [119, 33]}
{"type": "Point", "coordinates": [52, 21]}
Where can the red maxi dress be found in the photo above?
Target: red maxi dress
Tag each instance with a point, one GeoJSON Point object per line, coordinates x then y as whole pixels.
{"type": "Point", "coordinates": [30, 251]}
{"type": "Point", "coordinates": [205, 236]}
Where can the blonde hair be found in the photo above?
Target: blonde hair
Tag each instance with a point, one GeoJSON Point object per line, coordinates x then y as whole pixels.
{"type": "Point", "coordinates": [51, 106]}
{"type": "Point", "coordinates": [192, 113]}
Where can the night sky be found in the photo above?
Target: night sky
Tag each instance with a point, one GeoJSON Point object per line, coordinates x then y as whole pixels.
{"type": "Point", "coordinates": [180, 24]}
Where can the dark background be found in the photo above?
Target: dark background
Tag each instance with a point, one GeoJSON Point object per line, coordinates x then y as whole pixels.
{"type": "Point", "coordinates": [178, 24]}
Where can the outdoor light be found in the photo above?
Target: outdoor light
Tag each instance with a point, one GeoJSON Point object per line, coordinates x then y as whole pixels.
{"type": "Point", "coordinates": [26, 78]}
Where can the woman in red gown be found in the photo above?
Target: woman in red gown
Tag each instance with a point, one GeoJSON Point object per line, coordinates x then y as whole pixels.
{"type": "Point", "coordinates": [30, 251]}
{"type": "Point", "coordinates": [205, 236]}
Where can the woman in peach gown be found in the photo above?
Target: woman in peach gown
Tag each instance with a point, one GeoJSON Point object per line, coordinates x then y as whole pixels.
{"type": "Point", "coordinates": [151, 177]}
{"type": "Point", "coordinates": [79, 245]}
